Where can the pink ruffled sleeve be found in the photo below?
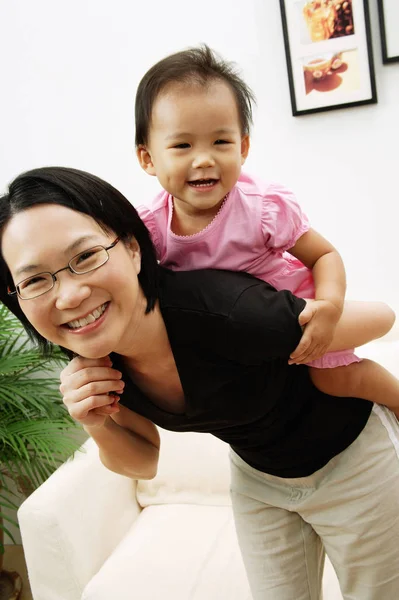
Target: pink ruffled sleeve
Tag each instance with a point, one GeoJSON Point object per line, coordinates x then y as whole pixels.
{"type": "Point", "coordinates": [147, 216]}
{"type": "Point", "coordinates": [283, 221]}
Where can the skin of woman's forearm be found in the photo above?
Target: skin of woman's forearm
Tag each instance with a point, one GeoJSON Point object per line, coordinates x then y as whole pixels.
{"type": "Point", "coordinates": [124, 451]}
{"type": "Point", "coordinates": [330, 280]}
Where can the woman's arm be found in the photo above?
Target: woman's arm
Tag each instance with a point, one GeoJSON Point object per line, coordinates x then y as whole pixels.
{"type": "Point", "coordinates": [128, 443]}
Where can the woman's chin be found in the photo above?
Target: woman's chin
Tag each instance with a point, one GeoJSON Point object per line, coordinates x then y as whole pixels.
{"type": "Point", "coordinates": [92, 353]}
{"type": "Point", "coordinates": [97, 355]}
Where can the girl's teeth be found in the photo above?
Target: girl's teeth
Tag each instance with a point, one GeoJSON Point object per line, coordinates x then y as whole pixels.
{"type": "Point", "coordinates": [203, 183]}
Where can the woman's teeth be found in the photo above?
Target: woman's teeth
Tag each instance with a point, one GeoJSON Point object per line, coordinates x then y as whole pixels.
{"type": "Point", "coordinates": [96, 314]}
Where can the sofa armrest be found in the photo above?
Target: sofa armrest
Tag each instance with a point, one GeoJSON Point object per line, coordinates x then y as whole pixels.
{"type": "Point", "coordinates": [73, 522]}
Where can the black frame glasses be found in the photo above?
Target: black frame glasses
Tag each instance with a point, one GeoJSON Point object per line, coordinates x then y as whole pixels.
{"type": "Point", "coordinates": [69, 267]}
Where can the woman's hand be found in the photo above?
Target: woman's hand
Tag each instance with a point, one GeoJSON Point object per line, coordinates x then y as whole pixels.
{"type": "Point", "coordinates": [319, 319]}
{"type": "Point", "coordinates": [90, 390]}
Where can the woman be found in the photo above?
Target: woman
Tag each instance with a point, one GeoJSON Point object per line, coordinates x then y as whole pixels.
{"type": "Point", "coordinates": [203, 351]}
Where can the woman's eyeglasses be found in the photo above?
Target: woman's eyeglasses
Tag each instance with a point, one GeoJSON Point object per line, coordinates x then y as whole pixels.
{"type": "Point", "coordinates": [82, 263]}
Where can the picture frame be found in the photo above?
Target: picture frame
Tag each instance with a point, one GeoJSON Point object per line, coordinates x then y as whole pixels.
{"type": "Point", "coordinates": [388, 14]}
{"type": "Point", "coordinates": [329, 54]}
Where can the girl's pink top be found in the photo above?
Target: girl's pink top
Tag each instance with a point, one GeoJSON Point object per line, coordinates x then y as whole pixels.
{"type": "Point", "coordinates": [255, 227]}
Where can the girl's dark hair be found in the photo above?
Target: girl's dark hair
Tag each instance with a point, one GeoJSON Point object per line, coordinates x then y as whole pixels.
{"type": "Point", "coordinates": [199, 66]}
{"type": "Point", "coordinates": [83, 193]}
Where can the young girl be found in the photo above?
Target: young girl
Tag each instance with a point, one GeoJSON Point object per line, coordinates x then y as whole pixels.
{"type": "Point", "coordinates": [193, 114]}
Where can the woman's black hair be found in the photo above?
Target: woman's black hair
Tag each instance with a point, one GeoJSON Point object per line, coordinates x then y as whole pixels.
{"type": "Point", "coordinates": [87, 194]}
{"type": "Point", "coordinates": [198, 66]}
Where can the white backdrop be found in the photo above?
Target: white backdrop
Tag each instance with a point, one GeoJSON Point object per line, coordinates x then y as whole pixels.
{"type": "Point", "coordinates": [69, 74]}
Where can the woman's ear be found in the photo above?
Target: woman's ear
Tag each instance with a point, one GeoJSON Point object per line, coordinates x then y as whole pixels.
{"type": "Point", "coordinates": [145, 159]}
{"type": "Point", "coordinates": [134, 250]}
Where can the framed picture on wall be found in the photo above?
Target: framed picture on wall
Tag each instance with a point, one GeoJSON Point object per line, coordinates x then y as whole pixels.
{"type": "Point", "coordinates": [388, 12]}
{"type": "Point", "coordinates": [329, 54]}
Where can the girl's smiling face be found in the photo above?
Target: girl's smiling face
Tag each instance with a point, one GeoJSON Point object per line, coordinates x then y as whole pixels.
{"type": "Point", "coordinates": [44, 238]}
{"type": "Point", "coordinates": [196, 147]}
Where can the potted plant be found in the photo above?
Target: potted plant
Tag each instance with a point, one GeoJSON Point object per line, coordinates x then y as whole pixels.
{"type": "Point", "coordinates": [36, 432]}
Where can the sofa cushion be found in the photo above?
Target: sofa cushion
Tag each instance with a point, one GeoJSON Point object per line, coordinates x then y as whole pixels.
{"type": "Point", "coordinates": [68, 525]}
{"type": "Point", "coordinates": [193, 469]}
{"type": "Point", "coordinates": [175, 552]}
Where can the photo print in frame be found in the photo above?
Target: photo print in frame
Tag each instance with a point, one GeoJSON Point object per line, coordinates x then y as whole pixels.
{"type": "Point", "coordinates": [329, 54]}
{"type": "Point", "coordinates": [388, 12]}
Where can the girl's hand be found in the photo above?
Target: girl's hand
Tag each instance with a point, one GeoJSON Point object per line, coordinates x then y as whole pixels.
{"type": "Point", "coordinates": [90, 390]}
{"type": "Point", "coordinates": [319, 319]}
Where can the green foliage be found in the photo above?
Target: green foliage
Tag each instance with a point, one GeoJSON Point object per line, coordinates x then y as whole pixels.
{"type": "Point", "coordinates": [36, 432]}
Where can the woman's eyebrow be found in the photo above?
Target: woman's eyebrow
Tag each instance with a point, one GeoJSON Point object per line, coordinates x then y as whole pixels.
{"type": "Point", "coordinates": [80, 241]}
{"type": "Point", "coordinates": [34, 267]}
{"type": "Point", "coordinates": [27, 269]}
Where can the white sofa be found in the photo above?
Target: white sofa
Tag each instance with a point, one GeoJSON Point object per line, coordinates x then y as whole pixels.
{"type": "Point", "coordinates": [90, 534]}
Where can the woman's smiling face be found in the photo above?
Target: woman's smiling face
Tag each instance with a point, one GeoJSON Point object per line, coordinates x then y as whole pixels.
{"type": "Point", "coordinates": [91, 314]}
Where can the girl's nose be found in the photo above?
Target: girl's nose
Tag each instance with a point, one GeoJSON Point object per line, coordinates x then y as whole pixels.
{"type": "Point", "coordinates": [203, 160]}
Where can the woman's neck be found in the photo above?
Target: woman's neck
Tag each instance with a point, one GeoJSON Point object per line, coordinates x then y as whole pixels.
{"type": "Point", "coordinates": [147, 340]}
{"type": "Point", "coordinates": [152, 368]}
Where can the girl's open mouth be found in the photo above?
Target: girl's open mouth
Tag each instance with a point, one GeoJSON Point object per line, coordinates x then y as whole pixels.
{"type": "Point", "coordinates": [203, 183]}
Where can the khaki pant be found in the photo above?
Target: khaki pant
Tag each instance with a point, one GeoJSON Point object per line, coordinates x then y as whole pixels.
{"type": "Point", "coordinates": [349, 508]}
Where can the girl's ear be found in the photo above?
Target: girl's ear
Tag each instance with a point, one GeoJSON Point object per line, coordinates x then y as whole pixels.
{"type": "Point", "coordinates": [134, 250]}
{"type": "Point", "coordinates": [145, 159]}
{"type": "Point", "coordinates": [245, 144]}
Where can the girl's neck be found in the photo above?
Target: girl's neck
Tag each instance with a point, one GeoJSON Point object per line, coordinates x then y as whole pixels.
{"type": "Point", "coordinates": [191, 222]}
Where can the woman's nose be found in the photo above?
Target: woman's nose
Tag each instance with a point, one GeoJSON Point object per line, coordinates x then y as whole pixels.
{"type": "Point", "coordinates": [71, 291]}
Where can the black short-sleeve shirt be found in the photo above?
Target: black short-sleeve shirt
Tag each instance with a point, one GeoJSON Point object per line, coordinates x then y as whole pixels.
{"type": "Point", "coordinates": [231, 335]}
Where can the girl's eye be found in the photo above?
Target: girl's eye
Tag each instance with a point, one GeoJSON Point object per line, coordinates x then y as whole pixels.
{"type": "Point", "coordinates": [182, 146]}
{"type": "Point", "coordinates": [222, 142]}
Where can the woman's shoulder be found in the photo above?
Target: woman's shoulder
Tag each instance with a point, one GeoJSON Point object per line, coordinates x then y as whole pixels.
{"type": "Point", "coordinates": [245, 301]}
{"type": "Point", "coordinates": [212, 291]}
{"type": "Point", "coordinates": [244, 317]}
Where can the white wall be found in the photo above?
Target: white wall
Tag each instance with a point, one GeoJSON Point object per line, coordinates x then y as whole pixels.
{"type": "Point", "coordinates": [70, 70]}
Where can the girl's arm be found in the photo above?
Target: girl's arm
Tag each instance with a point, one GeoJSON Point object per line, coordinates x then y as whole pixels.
{"type": "Point", "coordinates": [347, 325]}
{"type": "Point", "coordinates": [328, 270]}
{"type": "Point", "coordinates": [319, 255]}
